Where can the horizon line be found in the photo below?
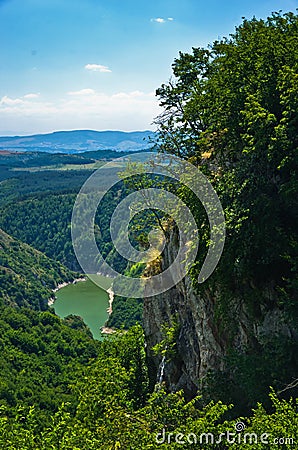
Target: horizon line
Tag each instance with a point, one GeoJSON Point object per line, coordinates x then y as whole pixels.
{"type": "Point", "coordinates": [29, 134]}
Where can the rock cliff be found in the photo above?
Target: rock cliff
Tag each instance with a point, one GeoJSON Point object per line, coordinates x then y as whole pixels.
{"type": "Point", "coordinates": [202, 342]}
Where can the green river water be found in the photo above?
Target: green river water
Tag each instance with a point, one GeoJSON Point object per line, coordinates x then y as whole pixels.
{"type": "Point", "coordinates": [84, 299]}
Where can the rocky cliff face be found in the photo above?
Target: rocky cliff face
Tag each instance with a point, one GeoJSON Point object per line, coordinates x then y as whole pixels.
{"type": "Point", "coordinates": [201, 343]}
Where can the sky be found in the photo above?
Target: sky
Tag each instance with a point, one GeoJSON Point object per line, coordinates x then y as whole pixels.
{"type": "Point", "coordinates": [96, 64]}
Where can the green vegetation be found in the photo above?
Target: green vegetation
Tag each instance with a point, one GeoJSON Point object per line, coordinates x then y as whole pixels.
{"type": "Point", "coordinates": [44, 223]}
{"type": "Point", "coordinates": [19, 185]}
{"type": "Point", "coordinates": [26, 159]}
{"type": "Point", "coordinates": [40, 358]}
{"type": "Point", "coordinates": [66, 391]}
{"type": "Point", "coordinates": [27, 276]}
{"type": "Point", "coordinates": [232, 110]}
{"type": "Point", "coordinates": [39, 159]}
{"type": "Point", "coordinates": [127, 312]}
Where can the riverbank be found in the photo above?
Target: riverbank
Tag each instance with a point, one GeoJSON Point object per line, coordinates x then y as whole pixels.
{"type": "Point", "coordinates": [107, 330]}
{"type": "Point", "coordinates": [111, 299]}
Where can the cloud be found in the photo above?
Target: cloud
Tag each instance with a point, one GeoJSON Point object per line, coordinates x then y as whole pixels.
{"type": "Point", "coordinates": [11, 102]}
{"type": "Point", "coordinates": [162, 20]}
{"type": "Point", "coordinates": [8, 102]}
{"type": "Point", "coordinates": [158, 20]}
{"type": "Point", "coordinates": [130, 95]}
{"type": "Point", "coordinates": [31, 96]}
{"type": "Point", "coordinates": [97, 68]}
{"type": "Point", "coordinates": [86, 91]}
{"type": "Point", "coordinates": [85, 108]}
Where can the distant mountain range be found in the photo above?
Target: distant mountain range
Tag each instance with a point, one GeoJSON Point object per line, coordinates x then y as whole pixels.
{"type": "Point", "coordinates": [79, 141]}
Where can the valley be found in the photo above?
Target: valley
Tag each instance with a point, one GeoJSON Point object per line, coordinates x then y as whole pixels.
{"type": "Point", "coordinates": [207, 357]}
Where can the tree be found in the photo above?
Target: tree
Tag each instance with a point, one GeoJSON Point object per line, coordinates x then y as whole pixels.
{"type": "Point", "coordinates": [232, 110]}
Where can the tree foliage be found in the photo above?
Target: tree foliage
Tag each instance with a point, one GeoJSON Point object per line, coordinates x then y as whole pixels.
{"type": "Point", "coordinates": [27, 276]}
{"type": "Point", "coordinates": [231, 109]}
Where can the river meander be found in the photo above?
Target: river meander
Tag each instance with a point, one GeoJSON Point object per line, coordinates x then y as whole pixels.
{"type": "Point", "coordinates": [84, 299]}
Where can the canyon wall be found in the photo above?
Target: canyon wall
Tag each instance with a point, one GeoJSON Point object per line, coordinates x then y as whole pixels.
{"type": "Point", "coordinates": [202, 342]}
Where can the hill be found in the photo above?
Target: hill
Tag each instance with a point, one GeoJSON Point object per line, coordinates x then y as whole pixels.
{"type": "Point", "coordinates": [27, 276]}
{"type": "Point", "coordinates": [79, 141]}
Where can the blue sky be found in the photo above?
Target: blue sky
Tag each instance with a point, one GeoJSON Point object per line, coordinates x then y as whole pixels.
{"type": "Point", "coordinates": [75, 64]}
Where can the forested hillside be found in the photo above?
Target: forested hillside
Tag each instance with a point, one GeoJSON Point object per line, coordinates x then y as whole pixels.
{"type": "Point", "coordinates": [43, 222]}
{"type": "Point", "coordinates": [41, 355]}
{"type": "Point", "coordinates": [27, 276]}
{"type": "Point", "coordinates": [19, 185]}
{"type": "Point", "coordinates": [104, 387]}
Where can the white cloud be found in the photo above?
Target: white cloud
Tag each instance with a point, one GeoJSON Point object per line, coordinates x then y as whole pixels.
{"type": "Point", "coordinates": [136, 93]}
{"type": "Point", "coordinates": [85, 108]}
{"type": "Point", "coordinates": [7, 101]}
{"type": "Point", "coordinates": [158, 20]}
{"type": "Point", "coordinates": [31, 96]}
{"type": "Point", "coordinates": [82, 92]}
{"type": "Point", "coordinates": [97, 68]}
{"type": "Point", "coordinates": [162, 20]}
{"type": "Point", "coordinates": [129, 95]}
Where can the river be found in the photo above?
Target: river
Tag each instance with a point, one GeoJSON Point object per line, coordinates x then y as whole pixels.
{"type": "Point", "coordinates": [84, 299]}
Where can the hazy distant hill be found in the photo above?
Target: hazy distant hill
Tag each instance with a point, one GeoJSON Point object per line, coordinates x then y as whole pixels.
{"type": "Point", "coordinates": [79, 141]}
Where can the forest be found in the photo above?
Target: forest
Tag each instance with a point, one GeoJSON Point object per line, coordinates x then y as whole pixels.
{"type": "Point", "coordinates": [230, 109]}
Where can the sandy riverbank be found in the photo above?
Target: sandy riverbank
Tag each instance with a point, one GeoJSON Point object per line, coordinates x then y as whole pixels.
{"type": "Point", "coordinates": [107, 330]}
{"type": "Point", "coordinates": [104, 329]}
{"type": "Point", "coordinates": [111, 299]}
